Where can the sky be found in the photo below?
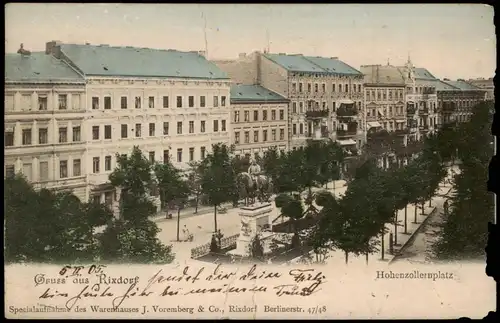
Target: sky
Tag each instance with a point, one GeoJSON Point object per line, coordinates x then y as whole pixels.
{"type": "Point", "coordinates": [450, 40]}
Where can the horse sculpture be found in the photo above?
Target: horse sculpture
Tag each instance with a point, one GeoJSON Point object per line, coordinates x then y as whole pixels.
{"type": "Point", "coordinates": [259, 189]}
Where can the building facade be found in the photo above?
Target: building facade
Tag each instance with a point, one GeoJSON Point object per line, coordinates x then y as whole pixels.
{"type": "Point", "coordinates": [259, 120]}
{"type": "Point", "coordinates": [456, 100]}
{"type": "Point", "coordinates": [326, 96]}
{"type": "Point", "coordinates": [44, 135]}
{"type": "Point", "coordinates": [486, 84]}
{"type": "Point", "coordinates": [173, 105]}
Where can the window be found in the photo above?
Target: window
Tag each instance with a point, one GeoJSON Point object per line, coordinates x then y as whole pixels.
{"type": "Point", "coordinates": [315, 87]}
{"type": "Point", "coordinates": [294, 107]}
{"type": "Point", "coordinates": [294, 87]}
{"type": "Point", "coordinates": [77, 134]}
{"type": "Point", "coordinates": [179, 155]}
{"type": "Point", "coordinates": [223, 101]}
{"type": "Point", "coordinates": [256, 136]}
{"type": "Point", "coordinates": [179, 101]}
{"type": "Point", "coordinates": [202, 126]}
{"type": "Point", "coordinates": [384, 95]}
{"type": "Point", "coordinates": [95, 103]}
{"type": "Point", "coordinates": [256, 116]}
{"type": "Point", "coordinates": [95, 133]}
{"type": "Point", "coordinates": [323, 87]}
{"type": "Point", "coordinates": [43, 136]}
{"type": "Point", "coordinates": [236, 116]}
{"type": "Point", "coordinates": [191, 126]}
{"type": "Point", "coordinates": [138, 130]}
{"type": "Point", "coordinates": [308, 87]}
{"type": "Point", "coordinates": [247, 137]}
{"type": "Point", "coordinates": [264, 115]}
{"type": "Point", "coordinates": [264, 135]}
{"type": "Point", "coordinates": [44, 171]}
{"type": "Point", "coordinates": [123, 102]}
{"type": "Point", "coordinates": [77, 167]}
{"type": "Point", "coordinates": [333, 87]}
{"type": "Point", "coordinates": [359, 87]}
{"type": "Point", "coordinates": [63, 101]}
{"type": "Point", "coordinates": [63, 169]}
{"type": "Point", "coordinates": [191, 101]}
{"type": "Point", "coordinates": [95, 164]}
{"type": "Point", "coordinates": [151, 102]}
{"type": "Point", "coordinates": [191, 154]}
{"type": "Point", "coordinates": [273, 135]}
{"type": "Point", "coordinates": [152, 129]}
{"type": "Point", "coordinates": [166, 156]}
{"type": "Point", "coordinates": [10, 170]}
{"type": "Point", "coordinates": [273, 114]}
{"type": "Point", "coordinates": [216, 125]}
{"type": "Point", "coordinates": [124, 131]}
{"type": "Point", "coordinates": [107, 132]}
{"type": "Point", "coordinates": [300, 87]}
{"type": "Point", "coordinates": [323, 105]}
{"type": "Point", "coordinates": [165, 102]}
{"type": "Point", "coordinates": [216, 101]}
{"type": "Point", "coordinates": [282, 134]}
{"type": "Point", "coordinates": [137, 102]}
{"type": "Point", "coordinates": [9, 138]}
{"type": "Point", "coordinates": [152, 157]}
{"type": "Point", "coordinates": [236, 137]}
{"type": "Point", "coordinates": [179, 127]}
{"type": "Point", "coordinates": [165, 128]}
{"type": "Point", "coordinates": [247, 116]}
{"type": "Point", "coordinates": [340, 88]}
{"type": "Point", "coordinates": [202, 152]}
{"type": "Point", "coordinates": [42, 103]}
{"type": "Point", "coordinates": [301, 128]}
{"type": "Point", "coordinates": [282, 114]}
{"type": "Point", "coordinates": [63, 134]}
{"type": "Point", "coordinates": [301, 107]}
{"type": "Point", "coordinates": [294, 131]}
{"type": "Point", "coordinates": [107, 103]}
{"type": "Point", "coordinates": [223, 125]}
{"type": "Point", "coordinates": [202, 101]}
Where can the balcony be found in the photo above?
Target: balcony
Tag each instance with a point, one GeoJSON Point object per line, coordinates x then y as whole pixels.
{"type": "Point", "coordinates": [346, 133]}
{"type": "Point", "coordinates": [410, 109]}
{"type": "Point", "coordinates": [316, 114]}
{"type": "Point", "coordinates": [347, 111]}
{"type": "Point", "coordinates": [401, 132]}
{"type": "Point", "coordinates": [424, 110]}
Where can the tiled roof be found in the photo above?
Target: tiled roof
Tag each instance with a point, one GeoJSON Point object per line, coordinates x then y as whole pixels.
{"type": "Point", "coordinates": [254, 93]}
{"type": "Point", "coordinates": [38, 67]}
{"type": "Point", "coordinates": [445, 86]}
{"type": "Point", "coordinates": [382, 74]}
{"type": "Point", "coordinates": [462, 85]}
{"type": "Point", "coordinates": [309, 64]}
{"type": "Point", "coordinates": [103, 60]}
{"type": "Point", "coordinates": [419, 72]}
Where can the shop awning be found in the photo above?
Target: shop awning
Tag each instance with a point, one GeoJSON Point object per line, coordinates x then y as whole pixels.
{"type": "Point", "coordinates": [346, 142]}
{"type": "Point", "coordinates": [373, 124]}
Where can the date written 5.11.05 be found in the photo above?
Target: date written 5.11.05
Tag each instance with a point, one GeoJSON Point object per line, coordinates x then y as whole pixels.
{"type": "Point", "coordinates": [316, 310]}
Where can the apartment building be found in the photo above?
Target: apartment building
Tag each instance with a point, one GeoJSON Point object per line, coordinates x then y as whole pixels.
{"type": "Point", "coordinates": [486, 84]}
{"type": "Point", "coordinates": [44, 136]}
{"type": "Point", "coordinates": [326, 97]}
{"type": "Point", "coordinates": [259, 120]}
{"type": "Point", "coordinates": [384, 97]}
{"type": "Point", "coordinates": [456, 100]}
{"type": "Point", "coordinates": [421, 100]}
{"type": "Point", "coordinates": [173, 105]}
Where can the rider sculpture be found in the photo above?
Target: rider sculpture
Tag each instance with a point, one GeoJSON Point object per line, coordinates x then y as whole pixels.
{"type": "Point", "coordinates": [254, 172]}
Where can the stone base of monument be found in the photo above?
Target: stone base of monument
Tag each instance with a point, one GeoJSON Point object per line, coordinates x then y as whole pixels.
{"type": "Point", "coordinates": [254, 219]}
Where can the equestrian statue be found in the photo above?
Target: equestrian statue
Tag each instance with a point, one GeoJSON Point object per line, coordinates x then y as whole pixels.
{"type": "Point", "coordinates": [255, 184]}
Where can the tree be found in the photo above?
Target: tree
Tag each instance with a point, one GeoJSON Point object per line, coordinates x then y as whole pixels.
{"type": "Point", "coordinates": [172, 188]}
{"type": "Point", "coordinates": [194, 182]}
{"type": "Point", "coordinates": [218, 179]}
{"type": "Point", "coordinates": [291, 207]}
{"type": "Point", "coordinates": [132, 238]}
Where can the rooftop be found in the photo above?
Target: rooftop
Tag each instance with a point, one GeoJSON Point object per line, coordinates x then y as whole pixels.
{"type": "Point", "coordinates": [382, 74]}
{"type": "Point", "coordinates": [40, 68]}
{"type": "Point", "coordinates": [419, 72]}
{"type": "Point", "coordinates": [104, 60]}
{"type": "Point", "coordinates": [464, 86]}
{"type": "Point", "coordinates": [445, 86]}
{"type": "Point", "coordinates": [254, 93]}
{"type": "Point", "coordinates": [310, 64]}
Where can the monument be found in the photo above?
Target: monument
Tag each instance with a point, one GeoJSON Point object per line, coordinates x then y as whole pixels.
{"type": "Point", "coordinates": [255, 218]}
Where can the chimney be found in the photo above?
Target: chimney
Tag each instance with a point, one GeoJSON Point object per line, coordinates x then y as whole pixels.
{"type": "Point", "coordinates": [242, 55]}
{"type": "Point", "coordinates": [202, 53]}
{"type": "Point", "coordinates": [52, 48]}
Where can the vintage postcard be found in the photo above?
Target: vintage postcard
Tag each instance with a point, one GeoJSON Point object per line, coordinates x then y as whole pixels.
{"type": "Point", "coordinates": [248, 161]}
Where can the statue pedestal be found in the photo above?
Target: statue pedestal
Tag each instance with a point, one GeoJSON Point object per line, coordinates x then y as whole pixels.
{"type": "Point", "coordinates": [254, 219]}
